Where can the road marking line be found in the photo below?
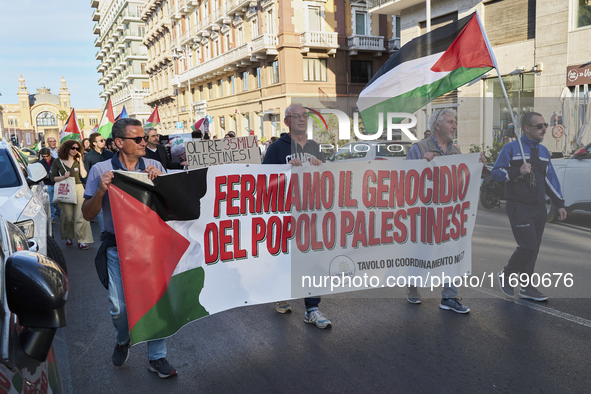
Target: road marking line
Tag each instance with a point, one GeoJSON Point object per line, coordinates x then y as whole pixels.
{"type": "Point", "coordinates": [540, 308]}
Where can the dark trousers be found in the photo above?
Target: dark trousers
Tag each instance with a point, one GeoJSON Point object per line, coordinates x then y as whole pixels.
{"type": "Point", "coordinates": [312, 302]}
{"type": "Point", "coordinates": [527, 224]}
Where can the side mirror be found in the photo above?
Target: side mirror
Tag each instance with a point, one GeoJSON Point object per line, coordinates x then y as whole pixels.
{"type": "Point", "coordinates": [36, 172]}
{"type": "Point", "coordinates": [580, 153]}
{"type": "Point", "coordinates": [36, 291]}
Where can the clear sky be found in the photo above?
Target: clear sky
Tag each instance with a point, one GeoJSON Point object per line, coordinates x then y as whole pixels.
{"type": "Point", "coordinates": [43, 40]}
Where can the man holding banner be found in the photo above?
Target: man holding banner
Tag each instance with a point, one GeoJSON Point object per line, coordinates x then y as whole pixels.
{"type": "Point", "coordinates": [443, 124]}
{"type": "Point", "coordinates": [129, 138]}
{"type": "Point", "coordinates": [294, 148]}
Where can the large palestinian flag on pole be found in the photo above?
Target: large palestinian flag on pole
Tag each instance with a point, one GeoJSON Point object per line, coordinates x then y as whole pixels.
{"type": "Point", "coordinates": [107, 120]}
{"type": "Point", "coordinates": [425, 68]}
{"type": "Point", "coordinates": [71, 129]}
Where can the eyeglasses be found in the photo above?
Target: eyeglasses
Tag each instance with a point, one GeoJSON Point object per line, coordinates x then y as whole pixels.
{"type": "Point", "coordinates": [75, 148]}
{"type": "Point", "coordinates": [45, 156]}
{"type": "Point", "coordinates": [100, 140]}
{"type": "Point", "coordinates": [137, 140]}
{"type": "Point", "coordinates": [298, 116]}
{"type": "Point", "coordinates": [539, 125]}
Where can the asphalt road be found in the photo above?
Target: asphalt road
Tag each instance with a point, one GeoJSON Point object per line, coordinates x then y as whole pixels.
{"type": "Point", "coordinates": [378, 343]}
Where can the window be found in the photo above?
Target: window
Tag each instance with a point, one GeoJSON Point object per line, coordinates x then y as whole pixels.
{"type": "Point", "coordinates": [244, 81]}
{"type": "Point", "coordinates": [314, 19]}
{"type": "Point", "coordinates": [510, 21]}
{"type": "Point", "coordinates": [210, 88]}
{"type": "Point", "coordinates": [441, 21]}
{"type": "Point", "coordinates": [258, 74]}
{"type": "Point", "coordinates": [240, 35]}
{"type": "Point", "coordinates": [583, 13]}
{"type": "Point", "coordinates": [201, 96]}
{"type": "Point", "coordinates": [360, 71]}
{"type": "Point", "coordinates": [221, 85]}
{"type": "Point", "coordinates": [232, 86]}
{"type": "Point", "coordinates": [227, 40]}
{"type": "Point", "coordinates": [397, 32]}
{"type": "Point", "coordinates": [93, 121]}
{"type": "Point", "coordinates": [24, 104]}
{"type": "Point", "coordinates": [270, 22]}
{"type": "Point", "coordinates": [315, 70]}
{"type": "Point", "coordinates": [360, 22]}
{"type": "Point", "coordinates": [247, 123]}
{"type": "Point", "coordinates": [81, 123]}
{"type": "Point", "coordinates": [254, 28]}
{"type": "Point", "coordinates": [45, 118]}
{"type": "Point", "coordinates": [275, 71]}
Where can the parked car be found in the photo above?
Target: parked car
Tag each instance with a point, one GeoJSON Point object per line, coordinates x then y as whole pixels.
{"type": "Point", "coordinates": [33, 293]}
{"type": "Point", "coordinates": [23, 201]}
{"type": "Point", "coordinates": [574, 175]}
{"type": "Point", "coordinates": [372, 150]}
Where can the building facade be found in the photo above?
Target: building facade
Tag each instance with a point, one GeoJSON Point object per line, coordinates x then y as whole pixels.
{"type": "Point", "coordinates": [42, 114]}
{"type": "Point", "coordinates": [122, 55]}
{"type": "Point", "coordinates": [242, 63]}
{"type": "Point", "coordinates": [541, 47]}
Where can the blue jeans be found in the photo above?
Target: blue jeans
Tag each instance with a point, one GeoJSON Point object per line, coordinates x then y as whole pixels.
{"type": "Point", "coordinates": [51, 204]}
{"type": "Point", "coordinates": [449, 290]}
{"type": "Point", "coordinates": [157, 348]}
{"type": "Point", "coordinates": [311, 303]}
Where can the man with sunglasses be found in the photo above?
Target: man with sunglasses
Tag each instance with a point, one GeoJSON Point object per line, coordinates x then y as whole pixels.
{"type": "Point", "coordinates": [443, 126]}
{"type": "Point", "coordinates": [295, 148]}
{"type": "Point", "coordinates": [97, 155]}
{"type": "Point", "coordinates": [129, 138]}
{"type": "Point", "coordinates": [526, 185]}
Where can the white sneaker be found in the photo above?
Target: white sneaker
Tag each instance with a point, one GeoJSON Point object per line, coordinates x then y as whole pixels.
{"type": "Point", "coordinates": [318, 318]}
{"type": "Point", "coordinates": [282, 307]}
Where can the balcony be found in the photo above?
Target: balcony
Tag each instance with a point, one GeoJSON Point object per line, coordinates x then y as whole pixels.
{"type": "Point", "coordinates": [319, 40]}
{"type": "Point", "coordinates": [393, 44]}
{"type": "Point", "coordinates": [97, 42]}
{"type": "Point", "coordinates": [186, 37]}
{"type": "Point", "coordinates": [98, 56]}
{"type": "Point", "coordinates": [234, 6]}
{"type": "Point", "coordinates": [359, 43]}
{"type": "Point", "coordinates": [96, 29]}
{"type": "Point", "coordinates": [96, 16]}
{"type": "Point", "coordinates": [264, 45]}
{"type": "Point", "coordinates": [130, 16]}
{"type": "Point", "coordinates": [133, 35]}
{"type": "Point", "coordinates": [224, 63]}
{"type": "Point", "coordinates": [220, 16]}
{"type": "Point", "coordinates": [390, 7]}
{"type": "Point", "coordinates": [94, 3]}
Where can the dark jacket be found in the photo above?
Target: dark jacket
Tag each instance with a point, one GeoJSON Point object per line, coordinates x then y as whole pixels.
{"type": "Point", "coordinates": [285, 149]}
{"type": "Point", "coordinates": [47, 181]}
{"type": "Point", "coordinates": [162, 156]}
{"type": "Point", "coordinates": [507, 169]}
{"type": "Point", "coordinates": [93, 157]}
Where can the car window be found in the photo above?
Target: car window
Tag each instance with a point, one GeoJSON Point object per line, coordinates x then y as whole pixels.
{"type": "Point", "coordinates": [8, 173]}
{"type": "Point", "coordinates": [392, 149]}
{"type": "Point", "coordinates": [342, 154]}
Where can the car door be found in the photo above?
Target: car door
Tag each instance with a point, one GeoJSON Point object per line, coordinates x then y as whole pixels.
{"type": "Point", "coordinates": [576, 187]}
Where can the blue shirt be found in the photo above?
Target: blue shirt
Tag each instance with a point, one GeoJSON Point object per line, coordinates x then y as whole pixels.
{"type": "Point", "coordinates": [93, 182]}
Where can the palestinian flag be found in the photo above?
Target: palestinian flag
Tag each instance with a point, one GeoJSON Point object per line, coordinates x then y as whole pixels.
{"type": "Point", "coordinates": [107, 120]}
{"type": "Point", "coordinates": [154, 119]}
{"type": "Point", "coordinates": [199, 125]}
{"type": "Point", "coordinates": [71, 129]}
{"type": "Point", "coordinates": [122, 115]}
{"type": "Point", "coordinates": [427, 67]}
{"type": "Point", "coordinates": [162, 270]}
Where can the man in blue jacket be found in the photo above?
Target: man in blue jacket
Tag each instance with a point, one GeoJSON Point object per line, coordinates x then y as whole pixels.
{"type": "Point", "coordinates": [295, 148]}
{"type": "Point", "coordinates": [526, 185]}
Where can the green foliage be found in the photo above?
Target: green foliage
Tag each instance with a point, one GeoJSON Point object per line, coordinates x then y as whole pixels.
{"type": "Point", "coordinates": [62, 115]}
{"type": "Point", "coordinates": [490, 153]}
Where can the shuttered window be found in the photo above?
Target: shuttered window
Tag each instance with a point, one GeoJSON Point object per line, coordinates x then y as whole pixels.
{"type": "Point", "coordinates": [507, 21]}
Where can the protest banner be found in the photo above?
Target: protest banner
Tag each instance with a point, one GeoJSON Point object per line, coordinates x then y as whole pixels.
{"type": "Point", "coordinates": [208, 240]}
{"type": "Point", "coordinates": [204, 153]}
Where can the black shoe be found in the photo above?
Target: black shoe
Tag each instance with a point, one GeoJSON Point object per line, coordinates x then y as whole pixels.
{"type": "Point", "coordinates": [120, 354]}
{"type": "Point", "coordinates": [504, 284]}
{"type": "Point", "coordinates": [531, 293]}
{"type": "Point", "coordinates": [162, 368]}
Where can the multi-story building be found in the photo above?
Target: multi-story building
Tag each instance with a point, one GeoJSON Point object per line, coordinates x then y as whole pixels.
{"type": "Point", "coordinates": [122, 55]}
{"type": "Point", "coordinates": [542, 51]}
{"type": "Point", "coordinates": [160, 66]}
{"type": "Point", "coordinates": [42, 114]}
{"type": "Point", "coordinates": [243, 62]}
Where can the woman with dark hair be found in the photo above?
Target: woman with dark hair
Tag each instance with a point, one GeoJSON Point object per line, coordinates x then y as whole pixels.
{"type": "Point", "coordinates": [87, 145]}
{"type": "Point", "coordinates": [70, 164]}
{"type": "Point", "coordinates": [47, 162]}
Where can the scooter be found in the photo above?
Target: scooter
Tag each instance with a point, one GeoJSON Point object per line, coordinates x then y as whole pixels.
{"type": "Point", "coordinates": [491, 191]}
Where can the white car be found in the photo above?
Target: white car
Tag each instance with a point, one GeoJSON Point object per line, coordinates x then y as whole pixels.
{"type": "Point", "coordinates": [372, 150]}
{"type": "Point", "coordinates": [24, 202]}
{"type": "Point", "coordinates": [574, 175]}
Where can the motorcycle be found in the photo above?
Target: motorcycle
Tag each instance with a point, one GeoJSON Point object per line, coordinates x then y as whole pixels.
{"type": "Point", "coordinates": [491, 191]}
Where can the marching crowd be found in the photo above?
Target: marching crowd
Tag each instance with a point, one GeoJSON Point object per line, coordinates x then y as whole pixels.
{"type": "Point", "coordinates": [524, 165]}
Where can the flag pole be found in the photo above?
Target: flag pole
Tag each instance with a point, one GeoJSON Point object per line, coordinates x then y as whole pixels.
{"type": "Point", "coordinates": [511, 112]}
